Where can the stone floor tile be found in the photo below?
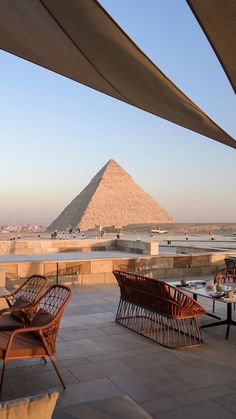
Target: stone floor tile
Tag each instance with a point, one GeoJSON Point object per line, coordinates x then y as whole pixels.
{"type": "Point", "coordinates": [21, 371]}
{"type": "Point", "coordinates": [87, 372]}
{"type": "Point", "coordinates": [147, 385]}
{"type": "Point", "coordinates": [119, 342]}
{"type": "Point", "coordinates": [149, 348]}
{"type": "Point", "coordinates": [74, 333]}
{"type": "Point", "coordinates": [160, 405]}
{"type": "Point", "coordinates": [23, 387]}
{"type": "Point", "coordinates": [40, 382]}
{"type": "Point", "coordinates": [187, 354]}
{"type": "Point", "coordinates": [204, 410]}
{"type": "Point", "coordinates": [7, 391]}
{"type": "Point", "coordinates": [88, 391]}
{"type": "Point", "coordinates": [232, 384]}
{"type": "Point", "coordinates": [218, 354]}
{"type": "Point", "coordinates": [20, 363]}
{"type": "Point", "coordinates": [229, 402]}
{"type": "Point", "coordinates": [111, 355]}
{"type": "Point", "coordinates": [114, 329]}
{"type": "Point", "coordinates": [201, 373]}
{"type": "Point", "coordinates": [205, 393]}
{"type": "Point", "coordinates": [150, 360]}
{"type": "Point", "coordinates": [114, 367]}
{"type": "Point", "coordinates": [50, 378]}
{"type": "Point", "coordinates": [64, 363]}
{"type": "Point", "coordinates": [116, 408]}
{"type": "Point", "coordinates": [79, 348]}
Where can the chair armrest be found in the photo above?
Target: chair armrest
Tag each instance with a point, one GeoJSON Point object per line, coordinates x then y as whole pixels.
{"type": "Point", "coordinates": [188, 303]}
{"type": "Point", "coordinates": [12, 310]}
{"type": "Point", "coordinates": [6, 297]}
{"type": "Point", "coordinates": [25, 330]}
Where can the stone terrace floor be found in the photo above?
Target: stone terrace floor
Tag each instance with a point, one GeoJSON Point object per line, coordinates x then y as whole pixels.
{"type": "Point", "coordinates": [101, 360]}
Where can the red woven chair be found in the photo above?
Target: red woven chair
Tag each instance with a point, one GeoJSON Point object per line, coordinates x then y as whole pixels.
{"type": "Point", "coordinates": [226, 274]}
{"type": "Point", "coordinates": [158, 311]}
{"type": "Point", "coordinates": [39, 339]}
{"type": "Point", "coordinates": [20, 302]}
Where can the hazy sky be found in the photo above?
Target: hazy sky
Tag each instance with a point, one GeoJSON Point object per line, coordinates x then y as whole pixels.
{"type": "Point", "coordinates": [56, 134]}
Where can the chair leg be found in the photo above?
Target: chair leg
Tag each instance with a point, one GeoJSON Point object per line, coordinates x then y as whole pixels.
{"type": "Point", "coordinates": [57, 371]}
{"type": "Point", "coordinates": [2, 375]}
{"type": "Point", "coordinates": [44, 359]}
{"type": "Point", "coordinates": [213, 307]}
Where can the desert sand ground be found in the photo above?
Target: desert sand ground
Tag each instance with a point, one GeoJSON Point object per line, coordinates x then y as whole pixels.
{"type": "Point", "coordinates": [207, 235]}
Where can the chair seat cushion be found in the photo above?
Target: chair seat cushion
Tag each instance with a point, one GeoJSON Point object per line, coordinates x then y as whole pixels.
{"type": "Point", "coordinates": [24, 345]}
{"type": "Point", "coordinates": [41, 318]}
{"type": "Point", "coordinates": [21, 301]}
{"type": "Point", "coordinates": [9, 322]}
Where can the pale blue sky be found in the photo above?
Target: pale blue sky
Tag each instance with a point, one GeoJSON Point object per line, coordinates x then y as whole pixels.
{"type": "Point", "coordinates": [56, 134]}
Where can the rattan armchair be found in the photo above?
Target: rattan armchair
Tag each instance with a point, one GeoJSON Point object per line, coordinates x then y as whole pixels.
{"type": "Point", "coordinates": [21, 302]}
{"type": "Point", "coordinates": [226, 274]}
{"type": "Point", "coordinates": [158, 311]}
{"type": "Point", "coordinates": [39, 338]}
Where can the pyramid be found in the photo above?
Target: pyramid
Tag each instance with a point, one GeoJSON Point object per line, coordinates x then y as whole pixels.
{"type": "Point", "coordinates": [111, 198]}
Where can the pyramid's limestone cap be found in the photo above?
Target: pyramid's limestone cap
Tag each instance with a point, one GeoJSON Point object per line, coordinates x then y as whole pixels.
{"type": "Point", "coordinates": [111, 170]}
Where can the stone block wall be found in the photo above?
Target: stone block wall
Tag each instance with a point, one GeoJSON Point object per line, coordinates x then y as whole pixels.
{"type": "Point", "coordinates": [99, 271]}
{"type": "Point", "coordinates": [196, 249]}
{"type": "Point", "coordinates": [137, 246]}
{"type": "Point", "coordinates": [26, 247]}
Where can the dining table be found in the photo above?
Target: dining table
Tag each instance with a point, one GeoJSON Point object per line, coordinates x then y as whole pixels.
{"type": "Point", "coordinates": [200, 288]}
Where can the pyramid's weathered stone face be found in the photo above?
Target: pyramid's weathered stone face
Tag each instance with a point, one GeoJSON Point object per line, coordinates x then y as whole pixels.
{"type": "Point", "coordinates": [111, 198]}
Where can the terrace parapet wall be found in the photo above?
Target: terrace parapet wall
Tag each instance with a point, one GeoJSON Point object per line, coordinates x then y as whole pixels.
{"type": "Point", "coordinates": [98, 271]}
{"type": "Point", "coordinates": [197, 249]}
{"type": "Point", "coordinates": [26, 247]}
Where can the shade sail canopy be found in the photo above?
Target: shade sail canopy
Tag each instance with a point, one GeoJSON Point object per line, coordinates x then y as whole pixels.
{"type": "Point", "coordinates": [218, 20]}
{"type": "Point", "coordinates": [79, 40]}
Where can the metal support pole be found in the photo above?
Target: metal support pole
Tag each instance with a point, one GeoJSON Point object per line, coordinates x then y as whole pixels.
{"type": "Point", "coordinates": [57, 274]}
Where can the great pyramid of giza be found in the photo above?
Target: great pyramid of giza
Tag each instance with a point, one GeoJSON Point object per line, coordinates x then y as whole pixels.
{"type": "Point", "coordinates": [111, 198]}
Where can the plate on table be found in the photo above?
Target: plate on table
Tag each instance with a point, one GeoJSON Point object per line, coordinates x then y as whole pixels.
{"type": "Point", "coordinates": [200, 283]}
{"type": "Point", "coordinates": [217, 294]}
{"type": "Point", "coordinates": [199, 286]}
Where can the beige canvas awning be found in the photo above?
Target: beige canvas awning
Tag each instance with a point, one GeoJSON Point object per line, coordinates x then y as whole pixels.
{"type": "Point", "coordinates": [78, 39]}
{"type": "Point", "coordinates": [218, 21]}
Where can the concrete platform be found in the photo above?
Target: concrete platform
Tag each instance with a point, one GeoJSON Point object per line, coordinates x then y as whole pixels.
{"type": "Point", "coordinates": [103, 361]}
{"type": "Point", "coordinates": [67, 256]}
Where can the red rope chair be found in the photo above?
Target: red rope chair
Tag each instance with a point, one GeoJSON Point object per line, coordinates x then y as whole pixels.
{"type": "Point", "coordinates": [159, 311]}
{"type": "Point", "coordinates": [21, 302]}
{"type": "Point", "coordinates": [39, 338]}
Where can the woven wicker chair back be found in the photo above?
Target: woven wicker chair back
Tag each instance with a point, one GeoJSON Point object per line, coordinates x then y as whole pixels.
{"type": "Point", "coordinates": [146, 292]}
{"type": "Point", "coordinates": [227, 274]}
{"type": "Point", "coordinates": [30, 289]}
{"type": "Point", "coordinates": [53, 302]}
{"type": "Point", "coordinates": [55, 299]}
